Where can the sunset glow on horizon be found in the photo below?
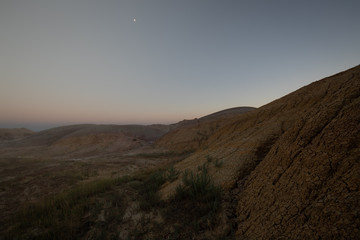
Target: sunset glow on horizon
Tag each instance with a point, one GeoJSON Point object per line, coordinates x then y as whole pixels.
{"type": "Point", "coordinates": [147, 62]}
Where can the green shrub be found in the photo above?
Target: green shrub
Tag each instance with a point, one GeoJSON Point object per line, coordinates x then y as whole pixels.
{"type": "Point", "coordinates": [196, 201]}
{"type": "Point", "coordinates": [62, 216]}
{"type": "Point", "coordinates": [171, 174]}
{"type": "Point", "coordinates": [148, 190]}
{"type": "Point", "coordinates": [197, 184]}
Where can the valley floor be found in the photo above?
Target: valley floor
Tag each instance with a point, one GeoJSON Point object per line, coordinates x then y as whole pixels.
{"type": "Point", "coordinates": [115, 197]}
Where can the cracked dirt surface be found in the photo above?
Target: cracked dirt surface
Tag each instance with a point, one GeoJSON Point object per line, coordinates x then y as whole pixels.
{"type": "Point", "coordinates": [292, 166]}
{"type": "Point", "coordinates": [308, 184]}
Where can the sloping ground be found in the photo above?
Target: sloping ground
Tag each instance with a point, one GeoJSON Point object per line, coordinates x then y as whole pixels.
{"type": "Point", "coordinates": [291, 168]}
{"type": "Point", "coordinates": [189, 135]}
{"type": "Point", "coordinates": [308, 184]}
{"type": "Point", "coordinates": [9, 134]}
{"type": "Point", "coordinates": [231, 112]}
{"type": "Point", "coordinates": [84, 140]}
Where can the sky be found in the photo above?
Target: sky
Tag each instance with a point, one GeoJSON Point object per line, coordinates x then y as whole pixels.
{"type": "Point", "coordinates": [85, 61]}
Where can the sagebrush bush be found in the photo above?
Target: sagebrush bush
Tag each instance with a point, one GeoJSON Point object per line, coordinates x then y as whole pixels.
{"type": "Point", "coordinates": [196, 201]}
{"type": "Point", "coordinates": [148, 190]}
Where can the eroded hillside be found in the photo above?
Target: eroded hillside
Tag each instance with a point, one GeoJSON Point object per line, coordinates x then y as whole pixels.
{"type": "Point", "coordinates": [291, 168]}
{"type": "Point", "coordinates": [189, 135]}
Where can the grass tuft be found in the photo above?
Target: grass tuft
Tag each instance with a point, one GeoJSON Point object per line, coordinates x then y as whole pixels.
{"type": "Point", "coordinates": [171, 174]}
{"type": "Point", "coordinates": [196, 201]}
{"type": "Point", "coordinates": [148, 190]}
{"type": "Point", "coordinates": [67, 215]}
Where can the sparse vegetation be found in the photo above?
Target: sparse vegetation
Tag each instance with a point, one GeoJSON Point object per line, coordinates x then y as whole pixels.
{"type": "Point", "coordinates": [96, 209]}
{"type": "Point", "coordinates": [148, 190]}
{"type": "Point", "coordinates": [192, 208]}
{"type": "Point", "coordinates": [195, 203]}
{"type": "Point", "coordinates": [69, 214]}
{"type": "Point", "coordinates": [217, 163]}
{"type": "Point", "coordinates": [199, 168]}
{"type": "Point", "coordinates": [171, 174]}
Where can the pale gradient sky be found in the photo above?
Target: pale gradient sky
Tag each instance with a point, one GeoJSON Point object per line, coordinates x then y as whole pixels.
{"type": "Point", "coordinates": [85, 61]}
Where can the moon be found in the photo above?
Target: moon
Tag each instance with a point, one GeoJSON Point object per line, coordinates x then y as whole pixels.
{"type": "Point", "coordinates": [134, 20]}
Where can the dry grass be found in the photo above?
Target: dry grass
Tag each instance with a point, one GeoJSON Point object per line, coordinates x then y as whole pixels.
{"type": "Point", "coordinates": [67, 215]}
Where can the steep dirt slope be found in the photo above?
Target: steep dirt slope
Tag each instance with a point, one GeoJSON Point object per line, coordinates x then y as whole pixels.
{"type": "Point", "coordinates": [291, 168]}
{"type": "Point", "coordinates": [189, 135]}
{"type": "Point", "coordinates": [84, 140]}
{"type": "Point", "coordinates": [308, 184]}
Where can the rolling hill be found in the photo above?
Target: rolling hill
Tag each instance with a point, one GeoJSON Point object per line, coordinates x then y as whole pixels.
{"type": "Point", "coordinates": [189, 135]}
{"type": "Point", "coordinates": [79, 141]}
{"type": "Point", "coordinates": [90, 140]}
{"type": "Point", "coordinates": [10, 134]}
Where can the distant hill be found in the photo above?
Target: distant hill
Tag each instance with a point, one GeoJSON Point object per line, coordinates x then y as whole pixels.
{"type": "Point", "coordinates": [9, 134]}
{"type": "Point", "coordinates": [189, 135]}
{"type": "Point", "coordinates": [290, 169]}
{"type": "Point", "coordinates": [84, 140]}
{"type": "Point", "coordinates": [89, 140]}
